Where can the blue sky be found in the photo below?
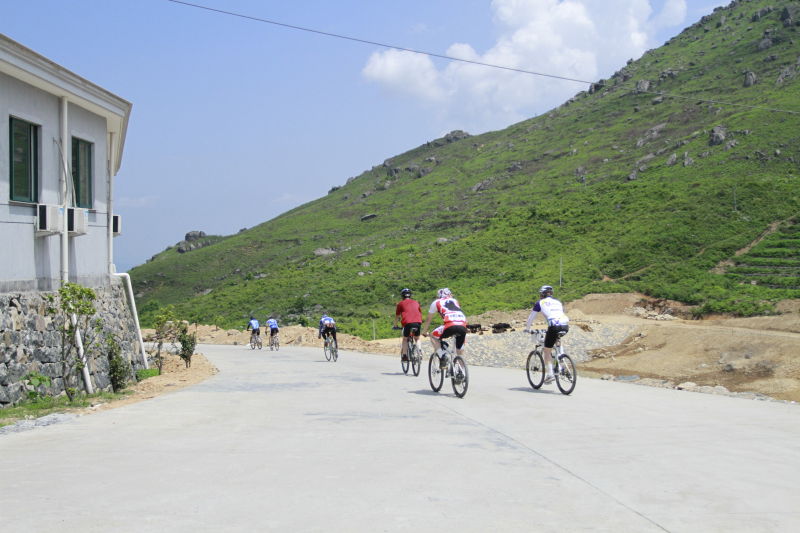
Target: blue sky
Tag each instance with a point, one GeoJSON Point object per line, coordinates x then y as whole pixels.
{"type": "Point", "coordinates": [236, 121]}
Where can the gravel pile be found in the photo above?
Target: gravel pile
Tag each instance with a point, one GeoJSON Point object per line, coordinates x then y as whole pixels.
{"type": "Point", "coordinates": [511, 349]}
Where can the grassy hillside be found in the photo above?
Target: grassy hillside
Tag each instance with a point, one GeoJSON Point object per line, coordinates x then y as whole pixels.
{"type": "Point", "coordinates": [617, 189]}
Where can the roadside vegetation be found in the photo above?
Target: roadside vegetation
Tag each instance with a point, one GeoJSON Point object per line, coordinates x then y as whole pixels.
{"type": "Point", "coordinates": [622, 188]}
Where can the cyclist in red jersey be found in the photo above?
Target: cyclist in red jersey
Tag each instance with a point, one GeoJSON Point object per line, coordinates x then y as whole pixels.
{"type": "Point", "coordinates": [409, 313]}
{"type": "Point", "coordinates": [455, 324]}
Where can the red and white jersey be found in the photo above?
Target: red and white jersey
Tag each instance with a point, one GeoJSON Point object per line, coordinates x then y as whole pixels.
{"type": "Point", "coordinates": [450, 310]}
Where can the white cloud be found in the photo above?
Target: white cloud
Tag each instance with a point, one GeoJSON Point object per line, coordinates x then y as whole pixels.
{"type": "Point", "coordinates": [580, 39]}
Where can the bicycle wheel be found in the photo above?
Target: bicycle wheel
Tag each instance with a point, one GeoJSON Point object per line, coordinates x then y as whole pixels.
{"type": "Point", "coordinates": [404, 360]}
{"type": "Point", "coordinates": [460, 376]}
{"type": "Point", "coordinates": [535, 368]}
{"type": "Point", "coordinates": [416, 359]}
{"type": "Point", "coordinates": [277, 343]}
{"type": "Point", "coordinates": [327, 351]}
{"type": "Point", "coordinates": [258, 343]}
{"type": "Point", "coordinates": [435, 374]}
{"type": "Point", "coordinates": [334, 351]}
{"type": "Point", "coordinates": [566, 375]}
{"type": "Point", "coordinates": [252, 343]}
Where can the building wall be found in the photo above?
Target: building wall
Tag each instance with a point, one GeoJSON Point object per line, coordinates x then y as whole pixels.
{"type": "Point", "coordinates": [34, 261]}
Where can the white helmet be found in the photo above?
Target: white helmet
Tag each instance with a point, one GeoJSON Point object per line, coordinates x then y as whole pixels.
{"type": "Point", "coordinates": [444, 293]}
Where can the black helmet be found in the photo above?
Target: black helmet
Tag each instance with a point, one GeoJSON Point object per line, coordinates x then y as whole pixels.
{"type": "Point", "coordinates": [405, 293]}
{"type": "Point", "coordinates": [545, 291]}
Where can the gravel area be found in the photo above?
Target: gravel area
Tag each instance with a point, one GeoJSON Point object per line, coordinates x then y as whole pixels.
{"type": "Point", "coordinates": [25, 425]}
{"type": "Point", "coordinates": [511, 349]}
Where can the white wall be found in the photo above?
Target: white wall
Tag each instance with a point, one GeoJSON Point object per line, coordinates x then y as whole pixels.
{"type": "Point", "coordinates": [28, 262]}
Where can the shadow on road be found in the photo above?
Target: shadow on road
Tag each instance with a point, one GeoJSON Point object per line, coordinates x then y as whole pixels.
{"type": "Point", "coordinates": [424, 392]}
{"type": "Point", "coordinates": [535, 391]}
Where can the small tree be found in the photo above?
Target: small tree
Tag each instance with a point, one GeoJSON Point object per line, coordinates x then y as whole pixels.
{"type": "Point", "coordinates": [188, 341]}
{"type": "Point", "coordinates": [74, 313]}
{"type": "Point", "coordinates": [165, 324]}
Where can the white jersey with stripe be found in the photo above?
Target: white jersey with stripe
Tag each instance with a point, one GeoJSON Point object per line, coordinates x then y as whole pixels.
{"type": "Point", "coordinates": [553, 311]}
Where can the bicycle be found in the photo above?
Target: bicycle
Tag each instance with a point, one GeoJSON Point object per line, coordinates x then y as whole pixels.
{"type": "Point", "coordinates": [414, 356]}
{"type": "Point", "coordinates": [274, 343]}
{"type": "Point", "coordinates": [331, 349]}
{"type": "Point", "coordinates": [456, 370]}
{"type": "Point", "coordinates": [563, 367]}
{"type": "Point", "coordinates": [255, 341]}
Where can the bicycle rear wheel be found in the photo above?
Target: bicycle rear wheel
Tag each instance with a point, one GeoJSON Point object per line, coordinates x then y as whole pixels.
{"type": "Point", "coordinates": [416, 359]}
{"type": "Point", "coordinates": [334, 351]}
{"type": "Point", "coordinates": [405, 359]}
{"type": "Point", "coordinates": [566, 375]}
{"type": "Point", "coordinates": [327, 351]}
{"type": "Point", "coordinates": [435, 374]}
{"type": "Point", "coordinates": [258, 342]}
{"type": "Point", "coordinates": [535, 368]}
{"type": "Point", "coordinates": [277, 343]}
{"type": "Point", "coordinates": [460, 376]}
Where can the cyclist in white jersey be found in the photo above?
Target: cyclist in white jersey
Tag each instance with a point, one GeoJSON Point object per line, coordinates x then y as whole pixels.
{"type": "Point", "coordinates": [557, 321]}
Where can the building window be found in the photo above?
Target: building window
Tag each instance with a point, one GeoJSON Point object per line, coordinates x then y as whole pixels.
{"type": "Point", "coordinates": [82, 172]}
{"type": "Point", "coordinates": [24, 141]}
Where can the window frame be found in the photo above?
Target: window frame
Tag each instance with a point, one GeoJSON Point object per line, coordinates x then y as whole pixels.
{"type": "Point", "coordinates": [83, 198]}
{"type": "Point", "coordinates": [32, 162]}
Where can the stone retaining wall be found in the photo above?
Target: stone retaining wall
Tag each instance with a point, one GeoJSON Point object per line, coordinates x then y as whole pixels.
{"type": "Point", "coordinates": [30, 342]}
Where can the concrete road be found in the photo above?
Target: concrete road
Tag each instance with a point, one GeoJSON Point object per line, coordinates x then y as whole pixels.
{"type": "Point", "coordinates": [287, 441]}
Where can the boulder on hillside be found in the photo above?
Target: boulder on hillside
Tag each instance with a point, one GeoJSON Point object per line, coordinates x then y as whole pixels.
{"type": "Point", "coordinates": [194, 235]}
{"type": "Point", "coordinates": [642, 86]}
{"type": "Point", "coordinates": [717, 136]}
{"type": "Point", "coordinates": [750, 78]}
{"type": "Point", "coordinates": [368, 217]}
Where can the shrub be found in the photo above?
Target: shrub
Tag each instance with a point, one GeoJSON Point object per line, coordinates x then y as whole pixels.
{"type": "Point", "coordinates": [119, 370]}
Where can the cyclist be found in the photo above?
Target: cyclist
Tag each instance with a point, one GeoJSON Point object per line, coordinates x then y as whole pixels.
{"type": "Point", "coordinates": [255, 329]}
{"type": "Point", "coordinates": [557, 321]}
{"type": "Point", "coordinates": [272, 324]}
{"type": "Point", "coordinates": [409, 313]}
{"type": "Point", "coordinates": [327, 326]}
{"type": "Point", "coordinates": [455, 324]}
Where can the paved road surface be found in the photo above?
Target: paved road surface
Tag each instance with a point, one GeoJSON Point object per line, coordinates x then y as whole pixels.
{"type": "Point", "coordinates": [286, 441]}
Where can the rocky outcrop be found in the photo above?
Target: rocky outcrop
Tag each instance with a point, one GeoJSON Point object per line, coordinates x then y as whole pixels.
{"type": "Point", "coordinates": [717, 136]}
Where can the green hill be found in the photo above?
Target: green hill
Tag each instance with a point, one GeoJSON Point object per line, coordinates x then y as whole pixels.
{"type": "Point", "coordinates": [647, 182]}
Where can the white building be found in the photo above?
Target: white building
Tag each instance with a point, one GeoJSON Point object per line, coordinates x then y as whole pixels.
{"type": "Point", "coordinates": [61, 143]}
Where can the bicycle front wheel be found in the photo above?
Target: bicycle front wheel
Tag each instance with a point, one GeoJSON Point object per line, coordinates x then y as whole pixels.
{"type": "Point", "coordinates": [566, 375]}
{"type": "Point", "coordinates": [435, 374]}
{"type": "Point", "coordinates": [460, 376]}
{"type": "Point", "coordinates": [535, 368]}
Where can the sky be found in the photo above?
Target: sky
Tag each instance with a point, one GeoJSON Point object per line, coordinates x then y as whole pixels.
{"type": "Point", "coordinates": [236, 121]}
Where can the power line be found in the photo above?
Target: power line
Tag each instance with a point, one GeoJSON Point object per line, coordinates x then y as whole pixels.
{"type": "Point", "coordinates": [461, 60]}
{"type": "Point", "coordinates": [375, 43]}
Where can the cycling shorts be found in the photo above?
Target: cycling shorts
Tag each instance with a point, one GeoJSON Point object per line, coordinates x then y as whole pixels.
{"type": "Point", "coordinates": [273, 332]}
{"type": "Point", "coordinates": [329, 331]}
{"type": "Point", "coordinates": [412, 327]}
{"type": "Point", "coordinates": [459, 332]}
{"type": "Point", "coordinates": [552, 335]}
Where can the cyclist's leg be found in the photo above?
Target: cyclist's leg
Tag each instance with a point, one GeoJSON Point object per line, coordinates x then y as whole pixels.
{"type": "Point", "coordinates": [435, 337]}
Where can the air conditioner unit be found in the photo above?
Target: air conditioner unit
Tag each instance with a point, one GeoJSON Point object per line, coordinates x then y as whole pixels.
{"type": "Point", "coordinates": [49, 219]}
{"type": "Point", "coordinates": [116, 225]}
{"type": "Point", "coordinates": [77, 221]}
